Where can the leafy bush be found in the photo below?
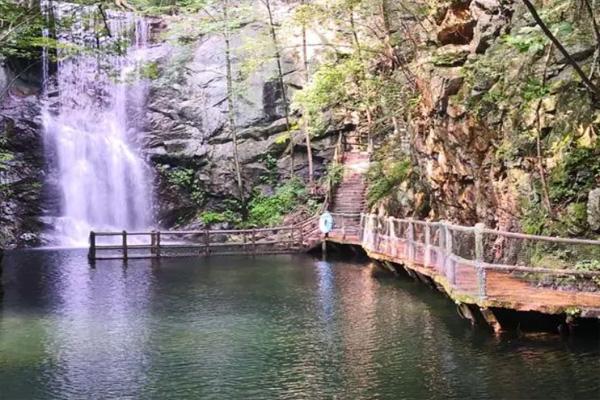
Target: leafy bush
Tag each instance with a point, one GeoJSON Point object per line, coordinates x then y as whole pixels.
{"type": "Point", "coordinates": [271, 176]}
{"type": "Point", "coordinates": [212, 217]}
{"type": "Point", "coordinates": [383, 179]}
{"type": "Point", "coordinates": [185, 180]}
{"type": "Point", "coordinates": [575, 176]}
{"type": "Point", "coordinates": [269, 210]}
{"type": "Point", "coordinates": [334, 175]}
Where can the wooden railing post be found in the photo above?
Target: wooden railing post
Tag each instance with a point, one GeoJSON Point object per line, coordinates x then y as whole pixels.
{"type": "Point", "coordinates": [153, 242]}
{"type": "Point", "coordinates": [361, 228]}
{"type": "Point", "coordinates": [253, 241]}
{"type": "Point", "coordinates": [92, 250]}
{"type": "Point", "coordinates": [448, 261]}
{"type": "Point", "coordinates": [301, 238]}
{"type": "Point", "coordinates": [393, 239]}
{"type": "Point", "coordinates": [427, 257]}
{"type": "Point", "coordinates": [206, 242]}
{"type": "Point", "coordinates": [244, 241]}
{"type": "Point", "coordinates": [158, 244]}
{"type": "Point", "coordinates": [125, 255]}
{"type": "Point", "coordinates": [291, 243]}
{"type": "Point", "coordinates": [411, 240]}
{"type": "Point", "coordinates": [343, 227]}
{"type": "Point", "coordinates": [481, 273]}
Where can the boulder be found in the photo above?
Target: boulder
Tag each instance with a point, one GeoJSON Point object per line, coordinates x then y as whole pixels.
{"type": "Point", "coordinates": [593, 209]}
{"type": "Point", "coordinates": [457, 26]}
{"type": "Point", "coordinates": [492, 18]}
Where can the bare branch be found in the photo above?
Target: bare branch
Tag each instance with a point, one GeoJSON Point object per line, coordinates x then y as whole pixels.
{"type": "Point", "coordinates": [586, 81]}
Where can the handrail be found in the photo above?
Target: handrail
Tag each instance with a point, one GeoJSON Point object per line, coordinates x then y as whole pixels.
{"type": "Point", "coordinates": [378, 235]}
{"type": "Point", "coordinates": [516, 235]}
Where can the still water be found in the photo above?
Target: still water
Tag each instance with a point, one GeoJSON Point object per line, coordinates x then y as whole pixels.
{"type": "Point", "coordinates": [288, 327]}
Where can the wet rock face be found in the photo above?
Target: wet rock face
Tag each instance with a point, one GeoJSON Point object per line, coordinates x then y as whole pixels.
{"type": "Point", "coordinates": [456, 151]}
{"type": "Point", "coordinates": [21, 173]}
{"type": "Point", "coordinates": [187, 124]}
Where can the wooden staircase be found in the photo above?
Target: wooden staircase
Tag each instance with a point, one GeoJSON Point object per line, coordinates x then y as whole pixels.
{"type": "Point", "coordinates": [350, 196]}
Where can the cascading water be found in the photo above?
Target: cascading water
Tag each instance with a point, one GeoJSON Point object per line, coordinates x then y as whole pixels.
{"type": "Point", "coordinates": [90, 124]}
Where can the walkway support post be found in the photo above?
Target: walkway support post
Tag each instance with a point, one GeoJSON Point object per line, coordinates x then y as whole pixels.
{"type": "Point", "coordinates": [92, 251]}
{"type": "Point", "coordinates": [481, 273]}
{"type": "Point", "coordinates": [125, 255]}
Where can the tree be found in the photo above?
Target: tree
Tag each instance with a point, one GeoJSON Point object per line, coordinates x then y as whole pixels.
{"type": "Point", "coordinates": [222, 17]}
{"type": "Point", "coordinates": [231, 101]}
{"type": "Point", "coordinates": [305, 129]}
{"type": "Point", "coordinates": [286, 106]}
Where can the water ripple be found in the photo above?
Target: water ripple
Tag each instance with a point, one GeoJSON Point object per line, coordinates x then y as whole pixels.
{"type": "Point", "coordinates": [267, 328]}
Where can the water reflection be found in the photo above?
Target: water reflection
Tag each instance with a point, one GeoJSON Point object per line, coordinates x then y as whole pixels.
{"type": "Point", "coordinates": [268, 327]}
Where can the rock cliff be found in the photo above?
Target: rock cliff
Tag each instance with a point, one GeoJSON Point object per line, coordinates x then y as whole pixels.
{"type": "Point", "coordinates": [502, 131]}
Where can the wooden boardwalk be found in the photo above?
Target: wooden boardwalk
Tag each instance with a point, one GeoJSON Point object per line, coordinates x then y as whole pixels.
{"type": "Point", "coordinates": [432, 251]}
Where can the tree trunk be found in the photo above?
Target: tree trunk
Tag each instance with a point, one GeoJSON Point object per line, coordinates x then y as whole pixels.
{"type": "Point", "coordinates": [538, 141]}
{"type": "Point", "coordinates": [281, 84]}
{"type": "Point", "coordinates": [231, 105]}
{"type": "Point", "coordinates": [311, 180]}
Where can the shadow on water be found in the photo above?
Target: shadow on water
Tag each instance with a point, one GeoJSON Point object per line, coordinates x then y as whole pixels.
{"type": "Point", "coordinates": [264, 327]}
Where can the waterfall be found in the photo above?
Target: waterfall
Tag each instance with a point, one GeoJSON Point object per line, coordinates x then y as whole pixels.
{"type": "Point", "coordinates": [89, 120]}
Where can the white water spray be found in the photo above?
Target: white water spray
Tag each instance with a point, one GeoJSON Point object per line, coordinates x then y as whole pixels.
{"type": "Point", "coordinates": [89, 122]}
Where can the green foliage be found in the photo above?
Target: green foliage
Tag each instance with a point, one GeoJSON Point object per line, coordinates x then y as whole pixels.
{"type": "Point", "coordinates": [22, 24]}
{"type": "Point", "coordinates": [334, 175]}
{"type": "Point", "coordinates": [149, 71]}
{"type": "Point", "coordinates": [212, 217]}
{"type": "Point", "coordinates": [448, 59]}
{"type": "Point", "coordinates": [534, 90]}
{"type": "Point", "coordinates": [572, 220]}
{"type": "Point", "coordinates": [384, 178]}
{"type": "Point", "coordinates": [158, 7]}
{"type": "Point", "coordinates": [271, 176]}
{"type": "Point", "coordinates": [531, 39]}
{"type": "Point", "coordinates": [5, 155]}
{"type": "Point", "coordinates": [576, 175]}
{"type": "Point", "coordinates": [534, 218]}
{"type": "Point", "coordinates": [185, 180]}
{"type": "Point", "coordinates": [332, 85]}
{"type": "Point", "coordinates": [269, 210]}
{"type": "Point", "coordinates": [527, 40]}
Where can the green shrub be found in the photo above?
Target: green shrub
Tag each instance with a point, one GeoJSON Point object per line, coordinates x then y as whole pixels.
{"type": "Point", "coordinates": [383, 179]}
{"type": "Point", "coordinates": [575, 176]}
{"type": "Point", "coordinates": [334, 175]}
{"type": "Point", "coordinates": [269, 210]}
{"type": "Point", "coordinates": [185, 180]}
{"type": "Point", "coordinates": [271, 176]}
{"type": "Point", "coordinates": [212, 217]}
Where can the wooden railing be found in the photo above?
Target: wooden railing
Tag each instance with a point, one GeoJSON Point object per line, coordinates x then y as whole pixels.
{"type": "Point", "coordinates": [155, 244]}
{"type": "Point", "coordinates": [465, 255]}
